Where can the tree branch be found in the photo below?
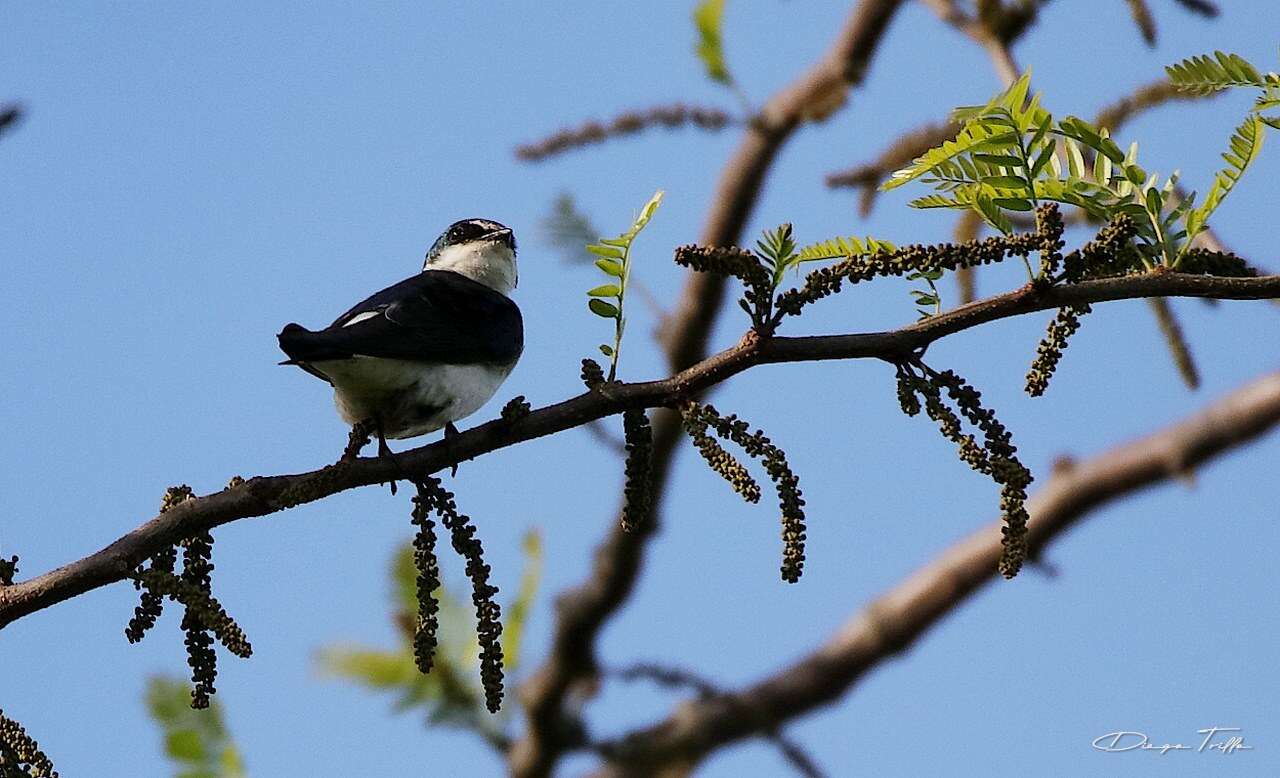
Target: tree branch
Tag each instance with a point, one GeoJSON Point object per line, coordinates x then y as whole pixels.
{"type": "Point", "coordinates": [582, 611]}
{"type": "Point", "coordinates": [263, 495]}
{"type": "Point", "coordinates": [890, 624]}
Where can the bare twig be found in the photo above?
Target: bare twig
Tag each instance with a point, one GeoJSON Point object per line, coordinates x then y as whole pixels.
{"type": "Point", "coordinates": [676, 678]}
{"type": "Point", "coordinates": [900, 153]}
{"type": "Point", "coordinates": [892, 623]}
{"type": "Point", "coordinates": [1171, 330]}
{"type": "Point", "coordinates": [628, 123]}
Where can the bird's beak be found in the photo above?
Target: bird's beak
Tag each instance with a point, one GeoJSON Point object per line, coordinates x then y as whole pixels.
{"type": "Point", "coordinates": [504, 235]}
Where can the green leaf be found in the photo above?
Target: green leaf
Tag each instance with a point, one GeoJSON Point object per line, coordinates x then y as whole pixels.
{"type": "Point", "coordinates": [1155, 203]}
{"type": "Point", "coordinates": [615, 261]}
{"type": "Point", "coordinates": [530, 579]}
{"type": "Point", "coordinates": [1204, 74]}
{"type": "Point", "coordinates": [1042, 161]}
{"type": "Point", "coordinates": [196, 741]}
{"type": "Point", "coordinates": [958, 200]}
{"type": "Point", "coordinates": [602, 308]}
{"type": "Point", "coordinates": [610, 266]}
{"type": "Point", "coordinates": [1002, 160]}
{"type": "Point", "coordinates": [1246, 144]}
{"type": "Point", "coordinates": [609, 252]}
{"type": "Point", "coordinates": [708, 17]}
{"type": "Point", "coordinates": [1013, 203]}
{"type": "Point", "coordinates": [777, 247]}
{"type": "Point", "coordinates": [1080, 130]}
{"type": "Point", "coordinates": [1075, 159]}
{"type": "Point", "coordinates": [607, 350]}
{"type": "Point", "coordinates": [1006, 182]}
{"type": "Point", "coordinates": [184, 745]}
{"type": "Point", "coordinates": [972, 138]}
{"type": "Point", "coordinates": [841, 248]}
{"type": "Point", "coordinates": [990, 212]}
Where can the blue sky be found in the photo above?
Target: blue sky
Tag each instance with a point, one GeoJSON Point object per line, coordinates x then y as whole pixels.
{"type": "Point", "coordinates": [188, 179]}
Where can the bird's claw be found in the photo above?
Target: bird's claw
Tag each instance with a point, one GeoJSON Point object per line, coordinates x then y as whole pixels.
{"type": "Point", "coordinates": [385, 451]}
{"type": "Point", "coordinates": [450, 432]}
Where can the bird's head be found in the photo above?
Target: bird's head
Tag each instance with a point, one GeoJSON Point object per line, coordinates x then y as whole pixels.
{"type": "Point", "coordinates": [482, 250]}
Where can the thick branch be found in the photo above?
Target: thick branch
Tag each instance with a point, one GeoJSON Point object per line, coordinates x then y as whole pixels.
{"type": "Point", "coordinates": [263, 495]}
{"type": "Point", "coordinates": [890, 624]}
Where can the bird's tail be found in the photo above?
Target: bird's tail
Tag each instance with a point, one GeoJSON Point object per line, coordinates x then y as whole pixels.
{"type": "Point", "coordinates": [299, 343]}
{"type": "Point", "coordinates": [294, 342]}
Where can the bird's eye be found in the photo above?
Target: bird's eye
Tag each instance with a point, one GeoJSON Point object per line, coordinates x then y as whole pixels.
{"type": "Point", "coordinates": [455, 235]}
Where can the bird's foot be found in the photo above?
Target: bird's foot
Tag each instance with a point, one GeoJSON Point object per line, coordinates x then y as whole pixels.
{"type": "Point", "coordinates": [451, 432]}
{"type": "Point", "coordinates": [385, 452]}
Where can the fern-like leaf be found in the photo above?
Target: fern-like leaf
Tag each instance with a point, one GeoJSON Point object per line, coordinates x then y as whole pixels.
{"type": "Point", "coordinates": [614, 259]}
{"type": "Point", "coordinates": [1246, 144]}
{"type": "Point", "coordinates": [1204, 74]}
{"type": "Point", "coordinates": [994, 127]}
{"type": "Point", "coordinates": [843, 248]}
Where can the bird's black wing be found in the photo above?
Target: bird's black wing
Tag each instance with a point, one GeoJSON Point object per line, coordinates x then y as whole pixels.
{"type": "Point", "coordinates": [436, 316]}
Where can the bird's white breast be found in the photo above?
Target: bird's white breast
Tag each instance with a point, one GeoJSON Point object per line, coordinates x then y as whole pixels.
{"type": "Point", "coordinates": [409, 398]}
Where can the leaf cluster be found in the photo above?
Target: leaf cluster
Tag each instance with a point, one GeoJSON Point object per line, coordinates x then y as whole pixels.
{"type": "Point", "coordinates": [613, 257]}
{"type": "Point", "coordinates": [1011, 154]}
{"type": "Point", "coordinates": [196, 741]}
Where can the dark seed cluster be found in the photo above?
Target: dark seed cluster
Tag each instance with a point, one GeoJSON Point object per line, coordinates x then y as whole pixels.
{"type": "Point", "coordinates": [434, 496]}
{"type": "Point", "coordinates": [1049, 227]}
{"type": "Point", "coordinates": [592, 373]}
{"type": "Point", "coordinates": [428, 566]}
{"type": "Point", "coordinates": [996, 456]}
{"type": "Point", "coordinates": [1216, 263]}
{"type": "Point", "coordinates": [757, 298]}
{"type": "Point", "coordinates": [208, 611]}
{"type": "Point", "coordinates": [829, 280]}
{"type": "Point", "coordinates": [758, 446]}
{"type": "Point", "coordinates": [639, 445]}
{"type": "Point", "coordinates": [515, 409]}
{"type": "Point", "coordinates": [1108, 254]}
{"type": "Point", "coordinates": [151, 603]}
{"type": "Point", "coordinates": [196, 571]}
{"type": "Point", "coordinates": [1049, 351]}
{"type": "Point", "coordinates": [721, 461]}
{"type": "Point", "coordinates": [8, 569]}
{"type": "Point", "coordinates": [20, 755]}
{"type": "Point", "coordinates": [629, 123]}
{"type": "Point", "coordinates": [203, 617]}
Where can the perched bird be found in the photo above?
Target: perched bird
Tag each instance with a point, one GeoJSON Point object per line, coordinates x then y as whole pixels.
{"type": "Point", "coordinates": [428, 351]}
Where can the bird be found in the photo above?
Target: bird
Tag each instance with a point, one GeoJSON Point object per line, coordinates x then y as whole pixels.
{"type": "Point", "coordinates": [428, 351]}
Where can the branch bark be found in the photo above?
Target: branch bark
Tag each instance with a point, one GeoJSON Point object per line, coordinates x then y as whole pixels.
{"type": "Point", "coordinates": [890, 624]}
{"type": "Point", "coordinates": [264, 495]}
